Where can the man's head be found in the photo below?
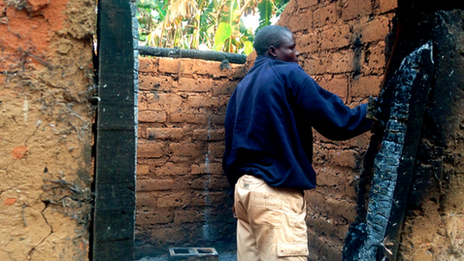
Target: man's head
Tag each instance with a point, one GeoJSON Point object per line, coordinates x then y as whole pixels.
{"type": "Point", "coordinates": [277, 42]}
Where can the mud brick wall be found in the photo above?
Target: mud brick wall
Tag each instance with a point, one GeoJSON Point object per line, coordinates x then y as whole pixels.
{"type": "Point", "coordinates": [181, 190]}
{"type": "Point", "coordinates": [45, 128]}
{"type": "Point", "coordinates": [341, 45]}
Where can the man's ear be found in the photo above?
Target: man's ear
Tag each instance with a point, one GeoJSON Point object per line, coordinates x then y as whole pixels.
{"type": "Point", "coordinates": [272, 51]}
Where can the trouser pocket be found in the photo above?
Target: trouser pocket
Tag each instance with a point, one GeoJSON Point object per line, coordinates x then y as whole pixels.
{"type": "Point", "coordinates": [292, 249]}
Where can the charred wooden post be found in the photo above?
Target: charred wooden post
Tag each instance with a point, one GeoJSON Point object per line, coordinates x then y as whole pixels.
{"type": "Point", "coordinates": [393, 165]}
{"type": "Point", "coordinates": [114, 213]}
{"type": "Point", "coordinates": [422, 124]}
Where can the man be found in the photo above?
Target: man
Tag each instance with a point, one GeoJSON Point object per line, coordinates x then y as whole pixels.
{"type": "Point", "coordinates": [268, 152]}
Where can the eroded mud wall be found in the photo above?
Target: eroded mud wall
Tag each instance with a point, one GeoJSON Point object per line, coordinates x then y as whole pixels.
{"type": "Point", "coordinates": [181, 190]}
{"type": "Point", "coordinates": [45, 128]}
{"type": "Point", "coordinates": [342, 46]}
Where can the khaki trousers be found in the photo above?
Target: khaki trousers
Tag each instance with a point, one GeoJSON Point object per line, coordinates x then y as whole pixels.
{"type": "Point", "coordinates": [271, 222]}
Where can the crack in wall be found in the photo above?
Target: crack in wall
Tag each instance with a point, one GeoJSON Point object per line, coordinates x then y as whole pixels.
{"type": "Point", "coordinates": [45, 238]}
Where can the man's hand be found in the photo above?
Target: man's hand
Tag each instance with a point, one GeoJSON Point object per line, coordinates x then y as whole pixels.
{"type": "Point", "coordinates": [233, 211]}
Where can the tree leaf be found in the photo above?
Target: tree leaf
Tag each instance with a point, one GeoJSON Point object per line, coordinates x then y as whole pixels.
{"type": "Point", "coordinates": [223, 33]}
{"type": "Point", "coordinates": [265, 8]}
{"type": "Point", "coordinates": [248, 47]}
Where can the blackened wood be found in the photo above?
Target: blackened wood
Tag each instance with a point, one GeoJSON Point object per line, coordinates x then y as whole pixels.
{"type": "Point", "coordinates": [113, 225]}
{"type": "Point", "coordinates": [417, 105]}
{"type": "Point", "coordinates": [393, 165]}
{"type": "Point", "coordinates": [194, 54]}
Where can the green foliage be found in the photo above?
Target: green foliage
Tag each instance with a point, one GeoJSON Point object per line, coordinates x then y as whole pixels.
{"type": "Point", "coordinates": [217, 24]}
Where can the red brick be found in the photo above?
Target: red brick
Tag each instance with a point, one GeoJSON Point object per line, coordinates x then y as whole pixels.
{"type": "Point", "coordinates": [336, 85]}
{"type": "Point", "coordinates": [180, 159]}
{"type": "Point", "coordinates": [343, 208]}
{"type": "Point", "coordinates": [151, 82]}
{"type": "Point", "coordinates": [210, 182]}
{"type": "Point", "coordinates": [315, 64]}
{"type": "Point", "coordinates": [307, 3]}
{"type": "Point", "coordinates": [209, 199]}
{"type": "Point", "coordinates": [202, 101]}
{"type": "Point", "coordinates": [158, 217]}
{"type": "Point", "coordinates": [356, 8]}
{"type": "Point", "coordinates": [216, 150]}
{"type": "Point", "coordinates": [226, 87]}
{"type": "Point", "coordinates": [322, 224]}
{"type": "Point", "coordinates": [374, 30]}
{"type": "Point", "coordinates": [326, 177]}
{"type": "Point", "coordinates": [335, 37]}
{"type": "Point", "coordinates": [185, 149]}
{"type": "Point", "coordinates": [188, 66]}
{"type": "Point", "coordinates": [148, 64]}
{"type": "Point", "coordinates": [345, 61]}
{"type": "Point", "coordinates": [145, 199]}
{"type": "Point", "coordinates": [388, 5]}
{"type": "Point", "coordinates": [146, 149]}
{"type": "Point", "coordinates": [286, 15]}
{"type": "Point", "coordinates": [160, 185]}
{"type": "Point", "coordinates": [219, 182]}
{"type": "Point", "coordinates": [325, 16]}
{"type": "Point", "coordinates": [376, 58]}
{"type": "Point", "coordinates": [177, 199]}
{"type": "Point", "coordinates": [143, 169]}
{"type": "Point", "coordinates": [169, 65]}
{"type": "Point", "coordinates": [314, 198]}
{"type": "Point", "coordinates": [301, 22]}
{"type": "Point", "coordinates": [188, 216]}
{"type": "Point", "coordinates": [209, 135]}
{"type": "Point", "coordinates": [163, 101]}
{"type": "Point", "coordinates": [366, 86]}
{"type": "Point", "coordinates": [308, 43]}
{"type": "Point", "coordinates": [142, 100]}
{"type": "Point", "coordinates": [333, 251]}
{"type": "Point", "coordinates": [210, 168]}
{"type": "Point", "coordinates": [188, 117]}
{"type": "Point", "coordinates": [195, 85]}
{"type": "Point", "coordinates": [165, 133]}
{"type": "Point", "coordinates": [170, 169]}
{"type": "Point", "coordinates": [342, 231]}
{"type": "Point", "coordinates": [153, 163]}
{"type": "Point", "coordinates": [152, 116]}
{"type": "Point", "coordinates": [345, 158]}
{"type": "Point", "coordinates": [218, 119]}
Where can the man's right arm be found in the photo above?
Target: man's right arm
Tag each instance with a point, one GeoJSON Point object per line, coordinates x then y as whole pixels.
{"type": "Point", "coordinates": [326, 112]}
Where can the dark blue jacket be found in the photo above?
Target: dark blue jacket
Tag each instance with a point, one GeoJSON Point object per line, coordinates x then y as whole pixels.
{"type": "Point", "coordinates": [269, 119]}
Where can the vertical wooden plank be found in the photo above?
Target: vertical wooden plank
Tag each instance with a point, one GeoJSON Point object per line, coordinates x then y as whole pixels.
{"type": "Point", "coordinates": [113, 225]}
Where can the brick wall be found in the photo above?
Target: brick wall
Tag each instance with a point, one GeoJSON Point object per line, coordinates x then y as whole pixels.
{"type": "Point", "coordinates": [342, 47]}
{"type": "Point", "coordinates": [181, 190]}
{"type": "Point", "coordinates": [182, 105]}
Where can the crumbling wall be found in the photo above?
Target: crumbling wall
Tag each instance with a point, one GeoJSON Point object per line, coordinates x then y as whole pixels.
{"type": "Point", "coordinates": [45, 128]}
{"type": "Point", "coordinates": [342, 46]}
{"type": "Point", "coordinates": [181, 190]}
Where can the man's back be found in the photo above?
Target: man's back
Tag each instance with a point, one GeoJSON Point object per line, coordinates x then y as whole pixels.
{"type": "Point", "coordinates": [268, 148]}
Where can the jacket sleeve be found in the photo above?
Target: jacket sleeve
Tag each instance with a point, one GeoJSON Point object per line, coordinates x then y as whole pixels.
{"type": "Point", "coordinates": [325, 111]}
